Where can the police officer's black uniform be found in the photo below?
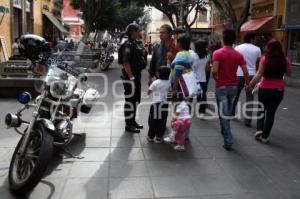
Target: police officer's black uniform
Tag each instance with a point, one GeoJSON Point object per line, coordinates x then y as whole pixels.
{"type": "Point", "coordinates": [133, 53]}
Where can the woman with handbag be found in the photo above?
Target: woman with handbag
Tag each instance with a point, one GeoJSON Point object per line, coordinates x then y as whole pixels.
{"type": "Point", "coordinates": [182, 63]}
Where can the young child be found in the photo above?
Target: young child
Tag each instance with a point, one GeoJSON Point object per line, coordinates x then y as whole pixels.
{"type": "Point", "coordinates": [159, 108]}
{"type": "Point", "coordinates": [181, 122]}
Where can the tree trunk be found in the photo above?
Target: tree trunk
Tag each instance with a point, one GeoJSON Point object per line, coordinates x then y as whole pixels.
{"type": "Point", "coordinates": [235, 22]}
{"type": "Point", "coordinates": [95, 37]}
{"type": "Point", "coordinates": [86, 36]}
{"type": "Point", "coordinates": [171, 20]}
{"type": "Point", "coordinates": [87, 32]}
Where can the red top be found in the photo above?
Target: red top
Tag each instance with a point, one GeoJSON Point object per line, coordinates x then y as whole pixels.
{"type": "Point", "coordinates": [272, 83]}
{"type": "Point", "coordinates": [229, 60]}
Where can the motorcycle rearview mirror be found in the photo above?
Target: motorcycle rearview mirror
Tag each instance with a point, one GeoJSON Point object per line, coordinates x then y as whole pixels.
{"type": "Point", "coordinates": [24, 98]}
{"type": "Point", "coordinates": [12, 120]}
{"type": "Point", "coordinates": [83, 78]}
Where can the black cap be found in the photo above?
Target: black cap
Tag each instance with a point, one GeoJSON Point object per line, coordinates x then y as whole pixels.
{"type": "Point", "coordinates": [132, 27]}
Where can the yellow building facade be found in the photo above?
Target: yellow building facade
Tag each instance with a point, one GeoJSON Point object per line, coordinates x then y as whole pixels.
{"type": "Point", "coordinates": [5, 26]}
{"type": "Point", "coordinates": [38, 17]}
{"type": "Point", "coordinates": [267, 17]}
{"type": "Point", "coordinates": [12, 23]}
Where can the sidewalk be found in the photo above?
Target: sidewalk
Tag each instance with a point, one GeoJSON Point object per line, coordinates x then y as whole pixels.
{"type": "Point", "coordinates": [119, 165]}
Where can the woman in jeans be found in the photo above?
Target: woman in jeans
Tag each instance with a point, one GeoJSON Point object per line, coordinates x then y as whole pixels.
{"type": "Point", "coordinates": [272, 68]}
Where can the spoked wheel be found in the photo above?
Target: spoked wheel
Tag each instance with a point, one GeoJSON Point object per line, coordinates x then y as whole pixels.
{"type": "Point", "coordinates": [104, 65]}
{"type": "Point", "coordinates": [27, 170]}
{"type": "Point", "coordinates": [94, 66]}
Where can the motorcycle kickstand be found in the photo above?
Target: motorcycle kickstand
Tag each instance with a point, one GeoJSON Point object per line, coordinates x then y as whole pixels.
{"type": "Point", "coordinates": [79, 134]}
{"type": "Point", "coordinates": [71, 155]}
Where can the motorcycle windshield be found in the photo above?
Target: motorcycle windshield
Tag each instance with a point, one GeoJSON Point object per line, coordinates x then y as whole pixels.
{"type": "Point", "coordinates": [56, 76]}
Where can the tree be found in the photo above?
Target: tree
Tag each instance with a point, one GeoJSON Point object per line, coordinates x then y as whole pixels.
{"type": "Point", "coordinates": [116, 15]}
{"type": "Point", "coordinates": [107, 14]}
{"type": "Point", "coordinates": [235, 22]}
{"type": "Point", "coordinates": [178, 13]}
{"type": "Point", "coordinates": [90, 11]}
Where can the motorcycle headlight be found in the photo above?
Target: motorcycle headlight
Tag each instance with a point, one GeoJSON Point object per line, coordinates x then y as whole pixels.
{"type": "Point", "coordinates": [24, 98]}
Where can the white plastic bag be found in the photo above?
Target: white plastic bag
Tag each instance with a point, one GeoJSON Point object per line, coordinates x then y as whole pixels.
{"type": "Point", "coordinates": [189, 85]}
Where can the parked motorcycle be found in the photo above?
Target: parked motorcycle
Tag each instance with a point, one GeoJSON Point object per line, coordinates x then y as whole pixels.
{"type": "Point", "coordinates": [106, 57]}
{"type": "Point", "coordinates": [51, 124]}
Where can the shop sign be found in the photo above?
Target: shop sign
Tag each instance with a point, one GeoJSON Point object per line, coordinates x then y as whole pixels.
{"type": "Point", "coordinates": [17, 4]}
{"type": "Point", "coordinates": [264, 9]}
{"type": "Point", "coordinates": [4, 9]}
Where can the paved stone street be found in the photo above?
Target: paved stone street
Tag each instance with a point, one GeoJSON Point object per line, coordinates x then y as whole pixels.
{"type": "Point", "coordinates": [119, 165]}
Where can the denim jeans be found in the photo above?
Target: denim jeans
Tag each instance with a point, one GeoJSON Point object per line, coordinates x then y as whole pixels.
{"type": "Point", "coordinates": [225, 96]}
{"type": "Point", "coordinates": [249, 98]}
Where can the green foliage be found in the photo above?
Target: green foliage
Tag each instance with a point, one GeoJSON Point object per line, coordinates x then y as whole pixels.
{"type": "Point", "coordinates": [112, 14]}
{"type": "Point", "coordinates": [127, 14]}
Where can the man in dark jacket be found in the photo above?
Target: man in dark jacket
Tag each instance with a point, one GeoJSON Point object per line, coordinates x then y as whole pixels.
{"type": "Point", "coordinates": [160, 51]}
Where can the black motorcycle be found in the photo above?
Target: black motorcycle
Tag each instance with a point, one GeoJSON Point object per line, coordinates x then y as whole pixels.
{"type": "Point", "coordinates": [51, 124]}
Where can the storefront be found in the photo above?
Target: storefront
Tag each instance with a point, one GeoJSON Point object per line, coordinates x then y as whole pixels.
{"type": "Point", "coordinates": [263, 23]}
{"type": "Point", "coordinates": [52, 27]}
{"type": "Point", "coordinates": [29, 16]}
{"type": "Point", "coordinates": [293, 26]}
{"type": "Point", "coordinates": [17, 18]}
{"type": "Point", "coordinates": [200, 33]}
{"type": "Point", "coordinates": [262, 27]}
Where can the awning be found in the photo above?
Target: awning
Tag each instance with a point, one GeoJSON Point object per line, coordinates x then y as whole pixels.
{"type": "Point", "coordinates": [55, 22]}
{"type": "Point", "coordinates": [255, 24]}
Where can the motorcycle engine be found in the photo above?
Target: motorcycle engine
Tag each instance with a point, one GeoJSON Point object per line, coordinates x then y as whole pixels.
{"type": "Point", "coordinates": [62, 128]}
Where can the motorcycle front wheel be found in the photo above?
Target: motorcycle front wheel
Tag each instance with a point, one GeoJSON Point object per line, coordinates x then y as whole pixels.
{"type": "Point", "coordinates": [26, 171]}
{"type": "Point", "coordinates": [104, 65]}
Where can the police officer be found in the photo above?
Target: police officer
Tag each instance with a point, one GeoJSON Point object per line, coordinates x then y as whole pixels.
{"type": "Point", "coordinates": [132, 61]}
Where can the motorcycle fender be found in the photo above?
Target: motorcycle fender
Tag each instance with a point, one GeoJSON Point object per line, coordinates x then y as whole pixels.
{"type": "Point", "coordinates": [48, 124]}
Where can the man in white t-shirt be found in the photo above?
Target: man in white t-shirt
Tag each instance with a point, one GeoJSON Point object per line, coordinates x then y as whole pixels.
{"type": "Point", "coordinates": [251, 55]}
